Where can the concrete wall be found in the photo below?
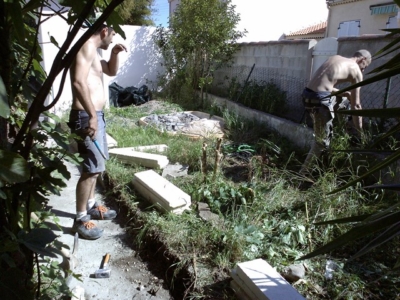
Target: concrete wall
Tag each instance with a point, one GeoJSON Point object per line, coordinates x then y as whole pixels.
{"type": "Point", "coordinates": [289, 63]}
{"type": "Point", "coordinates": [290, 130]}
{"type": "Point", "coordinates": [342, 11]}
{"type": "Point", "coordinates": [140, 65]}
{"type": "Point", "coordinates": [285, 63]}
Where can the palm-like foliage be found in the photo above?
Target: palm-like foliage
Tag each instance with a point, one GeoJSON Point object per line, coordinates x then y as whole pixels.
{"type": "Point", "coordinates": [385, 225]}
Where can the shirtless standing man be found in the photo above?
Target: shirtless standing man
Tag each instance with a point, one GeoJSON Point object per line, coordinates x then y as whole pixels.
{"type": "Point", "coordinates": [87, 120]}
{"type": "Point", "coordinates": [320, 104]}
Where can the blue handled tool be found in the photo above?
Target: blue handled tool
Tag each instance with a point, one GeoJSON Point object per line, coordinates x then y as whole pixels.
{"type": "Point", "coordinates": [98, 148]}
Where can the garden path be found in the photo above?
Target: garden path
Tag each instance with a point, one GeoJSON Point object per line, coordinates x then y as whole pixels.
{"type": "Point", "coordinates": [130, 277]}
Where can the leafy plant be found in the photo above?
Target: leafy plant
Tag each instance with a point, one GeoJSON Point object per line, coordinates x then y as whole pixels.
{"type": "Point", "coordinates": [201, 37]}
{"type": "Point", "coordinates": [383, 225]}
{"type": "Point", "coordinates": [32, 151]}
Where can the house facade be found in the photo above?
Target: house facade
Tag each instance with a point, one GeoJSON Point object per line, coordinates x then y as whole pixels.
{"type": "Point", "coordinates": [360, 17]}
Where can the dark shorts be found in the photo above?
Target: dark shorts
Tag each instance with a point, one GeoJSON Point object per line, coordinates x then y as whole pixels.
{"type": "Point", "coordinates": [93, 161]}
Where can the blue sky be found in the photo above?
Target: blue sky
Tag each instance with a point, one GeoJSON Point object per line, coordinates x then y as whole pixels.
{"type": "Point", "coordinates": [161, 16]}
{"type": "Point", "coordinates": [265, 20]}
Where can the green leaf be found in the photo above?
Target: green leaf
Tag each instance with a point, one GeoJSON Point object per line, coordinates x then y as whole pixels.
{"type": "Point", "coordinates": [31, 5]}
{"type": "Point", "coordinates": [386, 236]}
{"type": "Point", "coordinates": [13, 167]}
{"type": "Point", "coordinates": [15, 13]}
{"type": "Point", "coordinates": [37, 240]}
{"type": "Point", "coordinates": [344, 220]}
{"type": "Point", "coordinates": [373, 113]}
{"type": "Point", "coordinates": [359, 231]}
{"type": "Point", "coordinates": [394, 187]}
{"type": "Point", "coordinates": [4, 105]}
{"type": "Point", "coordinates": [386, 162]}
{"type": "Point", "coordinates": [54, 41]}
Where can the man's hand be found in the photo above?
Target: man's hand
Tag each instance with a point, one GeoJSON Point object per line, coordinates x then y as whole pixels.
{"type": "Point", "coordinates": [91, 130]}
{"type": "Point", "coordinates": [346, 94]}
{"type": "Point", "coordinates": [118, 48]}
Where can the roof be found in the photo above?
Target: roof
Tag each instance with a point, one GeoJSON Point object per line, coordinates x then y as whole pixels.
{"type": "Point", "coordinates": [314, 29]}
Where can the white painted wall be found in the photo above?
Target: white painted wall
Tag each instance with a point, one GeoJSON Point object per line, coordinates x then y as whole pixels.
{"type": "Point", "coordinates": [140, 65]}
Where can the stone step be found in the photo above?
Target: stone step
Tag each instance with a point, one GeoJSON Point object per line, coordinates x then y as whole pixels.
{"type": "Point", "coordinates": [130, 155]}
{"type": "Point", "coordinates": [257, 279]}
{"type": "Point", "coordinates": [162, 193]}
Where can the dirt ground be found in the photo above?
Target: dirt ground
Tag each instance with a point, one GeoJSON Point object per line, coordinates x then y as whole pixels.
{"type": "Point", "coordinates": [130, 276]}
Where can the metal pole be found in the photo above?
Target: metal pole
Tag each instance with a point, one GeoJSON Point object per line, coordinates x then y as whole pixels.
{"type": "Point", "coordinates": [385, 101]}
{"type": "Point", "coordinates": [245, 83]}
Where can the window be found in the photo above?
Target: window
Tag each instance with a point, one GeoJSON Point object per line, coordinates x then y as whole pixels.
{"type": "Point", "coordinates": [349, 28]}
{"type": "Point", "coordinates": [392, 22]}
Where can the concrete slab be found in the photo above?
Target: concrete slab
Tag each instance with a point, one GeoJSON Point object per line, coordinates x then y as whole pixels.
{"type": "Point", "coordinates": [159, 191]}
{"type": "Point", "coordinates": [131, 156]}
{"type": "Point", "coordinates": [259, 280]}
{"type": "Point", "coordinates": [130, 277]}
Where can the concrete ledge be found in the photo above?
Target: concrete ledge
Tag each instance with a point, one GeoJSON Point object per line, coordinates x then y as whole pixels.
{"type": "Point", "coordinates": [299, 135]}
{"type": "Point", "coordinates": [131, 156]}
{"type": "Point", "coordinates": [258, 280]}
{"type": "Point", "coordinates": [161, 192]}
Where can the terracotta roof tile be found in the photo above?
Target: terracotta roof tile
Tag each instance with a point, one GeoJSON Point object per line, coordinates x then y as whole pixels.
{"type": "Point", "coordinates": [317, 28]}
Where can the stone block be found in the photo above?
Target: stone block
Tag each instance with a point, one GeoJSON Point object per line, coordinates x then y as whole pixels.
{"type": "Point", "coordinates": [259, 280]}
{"type": "Point", "coordinates": [162, 193]}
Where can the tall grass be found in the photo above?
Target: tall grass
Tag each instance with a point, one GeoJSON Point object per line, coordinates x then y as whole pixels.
{"type": "Point", "coordinates": [264, 215]}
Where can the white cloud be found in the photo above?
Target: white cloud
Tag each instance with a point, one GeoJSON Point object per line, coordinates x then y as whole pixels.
{"type": "Point", "coordinates": [267, 20]}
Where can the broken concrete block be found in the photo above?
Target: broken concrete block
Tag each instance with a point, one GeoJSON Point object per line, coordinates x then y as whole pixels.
{"type": "Point", "coordinates": [161, 192]}
{"type": "Point", "coordinates": [149, 160]}
{"type": "Point", "coordinates": [206, 214]}
{"type": "Point", "coordinates": [173, 171]}
{"type": "Point", "coordinates": [293, 273]}
{"type": "Point", "coordinates": [259, 280]}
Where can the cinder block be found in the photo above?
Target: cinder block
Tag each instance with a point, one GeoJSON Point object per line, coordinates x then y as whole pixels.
{"type": "Point", "coordinates": [131, 156]}
{"type": "Point", "coordinates": [259, 280]}
{"type": "Point", "coordinates": [159, 191]}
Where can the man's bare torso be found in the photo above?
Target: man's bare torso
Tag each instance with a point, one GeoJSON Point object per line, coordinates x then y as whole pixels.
{"type": "Point", "coordinates": [95, 86]}
{"type": "Point", "coordinates": [335, 70]}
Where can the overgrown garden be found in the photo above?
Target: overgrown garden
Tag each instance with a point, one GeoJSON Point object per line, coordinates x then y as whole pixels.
{"type": "Point", "coordinates": [252, 188]}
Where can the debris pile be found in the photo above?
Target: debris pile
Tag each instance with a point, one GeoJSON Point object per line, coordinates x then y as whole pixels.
{"type": "Point", "coordinates": [189, 123]}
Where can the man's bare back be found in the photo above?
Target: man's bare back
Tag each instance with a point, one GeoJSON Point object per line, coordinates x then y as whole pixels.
{"type": "Point", "coordinates": [335, 70]}
{"type": "Point", "coordinates": [338, 69]}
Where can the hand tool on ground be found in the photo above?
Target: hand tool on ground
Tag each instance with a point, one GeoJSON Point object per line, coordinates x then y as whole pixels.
{"type": "Point", "coordinates": [98, 148]}
{"type": "Point", "coordinates": [104, 271]}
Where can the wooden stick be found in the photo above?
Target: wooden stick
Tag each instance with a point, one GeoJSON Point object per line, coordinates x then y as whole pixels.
{"type": "Point", "coordinates": [218, 157]}
{"type": "Point", "coordinates": [204, 162]}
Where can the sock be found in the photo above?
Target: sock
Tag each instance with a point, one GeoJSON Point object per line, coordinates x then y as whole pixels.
{"type": "Point", "coordinates": [80, 214]}
{"type": "Point", "coordinates": [90, 203]}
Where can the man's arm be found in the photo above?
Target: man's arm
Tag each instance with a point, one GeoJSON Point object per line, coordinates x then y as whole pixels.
{"type": "Point", "coordinates": [111, 67]}
{"type": "Point", "coordinates": [79, 76]}
{"type": "Point", "coordinates": [356, 102]}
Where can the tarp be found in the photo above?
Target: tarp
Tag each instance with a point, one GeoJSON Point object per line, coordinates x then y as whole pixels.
{"type": "Point", "coordinates": [120, 96]}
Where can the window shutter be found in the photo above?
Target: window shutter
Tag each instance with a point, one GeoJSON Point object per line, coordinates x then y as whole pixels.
{"type": "Point", "coordinates": [349, 28]}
